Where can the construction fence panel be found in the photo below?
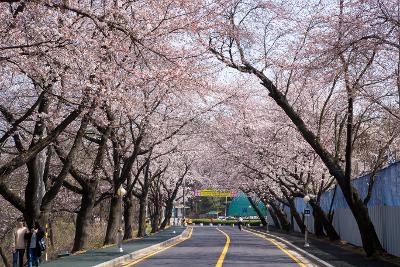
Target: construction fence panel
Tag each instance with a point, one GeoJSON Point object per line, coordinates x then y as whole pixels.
{"type": "Point", "coordinates": [383, 208]}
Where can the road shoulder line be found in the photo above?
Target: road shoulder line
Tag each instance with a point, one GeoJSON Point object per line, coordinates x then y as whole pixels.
{"type": "Point", "coordinates": [306, 254]}
{"type": "Point", "coordinates": [293, 257]}
{"type": "Point", "coordinates": [147, 252]}
{"type": "Point", "coordinates": [158, 251]}
{"type": "Point", "coordinates": [225, 250]}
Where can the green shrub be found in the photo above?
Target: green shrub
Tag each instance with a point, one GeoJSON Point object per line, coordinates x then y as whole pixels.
{"type": "Point", "coordinates": [225, 222]}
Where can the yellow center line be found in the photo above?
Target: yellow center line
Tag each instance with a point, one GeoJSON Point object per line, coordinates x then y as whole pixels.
{"type": "Point", "coordinates": [224, 251]}
{"type": "Point", "coordinates": [158, 251]}
{"type": "Point", "coordinates": [280, 247]}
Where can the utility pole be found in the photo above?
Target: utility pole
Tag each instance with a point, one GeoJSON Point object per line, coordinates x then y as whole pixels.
{"type": "Point", "coordinates": [226, 205]}
{"type": "Point", "coordinates": [306, 214]}
{"type": "Point", "coordinates": [184, 189]}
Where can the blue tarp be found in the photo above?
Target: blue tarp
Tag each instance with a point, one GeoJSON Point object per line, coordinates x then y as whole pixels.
{"type": "Point", "coordinates": [386, 190]}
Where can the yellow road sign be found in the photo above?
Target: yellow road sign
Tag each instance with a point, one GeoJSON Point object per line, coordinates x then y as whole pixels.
{"type": "Point", "coordinates": [214, 193]}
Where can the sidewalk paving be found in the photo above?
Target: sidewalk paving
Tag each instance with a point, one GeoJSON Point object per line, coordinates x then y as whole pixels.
{"type": "Point", "coordinates": [330, 252]}
{"type": "Point", "coordinates": [97, 256]}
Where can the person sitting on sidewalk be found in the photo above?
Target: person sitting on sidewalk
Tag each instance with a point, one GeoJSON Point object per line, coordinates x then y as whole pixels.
{"type": "Point", "coordinates": [19, 244]}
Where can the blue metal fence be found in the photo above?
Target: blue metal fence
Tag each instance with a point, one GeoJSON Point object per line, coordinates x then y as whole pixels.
{"type": "Point", "coordinates": [385, 192]}
{"type": "Point", "coordinates": [383, 207]}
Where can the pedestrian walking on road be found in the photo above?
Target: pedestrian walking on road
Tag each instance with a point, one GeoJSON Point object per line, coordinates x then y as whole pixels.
{"type": "Point", "coordinates": [35, 244]}
{"type": "Point", "coordinates": [240, 223]}
{"type": "Point", "coordinates": [120, 236]}
{"type": "Point", "coordinates": [19, 244]}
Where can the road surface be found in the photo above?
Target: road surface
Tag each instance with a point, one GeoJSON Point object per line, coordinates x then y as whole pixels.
{"type": "Point", "coordinates": [223, 246]}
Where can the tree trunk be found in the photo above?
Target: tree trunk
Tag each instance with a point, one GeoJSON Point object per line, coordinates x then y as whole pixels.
{"type": "Point", "coordinates": [44, 217]}
{"type": "Point", "coordinates": [370, 240]}
{"type": "Point", "coordinates": [103, 211]}
{"type": "Point", "coordinates": [114, 220]}
{"type": "Point", "coordinates": [258, 211]}
{"type": "Point", "coordinates": [129, 216]}
{"type": "Point", "coordinates": [4, 258]}
{"type": "Point", "coordinates": [142, 217]}
{"type": "Point", "coordinates": [285, 224]}
{"type": "Point", "coordinates": [273, 216]}
{"type": "Point", "coordinates": [323, 219]}
{"type": "Point", "coordinates": [318, 226]}
{"type": "Point", "coordinates": [331, 211]}
{"type": "Point", "coordinates": [156, 218]}
{"type": "Point", "coordinates": [371, 243]}
{"type": "Point", "coordinates": [83, 219]}
{"type": "Point", "coordinates": [31, 213]}
{"type": "Point", "coordinates": [168, 214]}
{"type": "Point", "coordinates": [296, 215]}
{"type": "Point", "coordinates": [35, 190]}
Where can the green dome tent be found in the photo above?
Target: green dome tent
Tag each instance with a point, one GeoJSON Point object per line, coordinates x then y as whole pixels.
{"type": "Point", "coordinates": [240, 206]}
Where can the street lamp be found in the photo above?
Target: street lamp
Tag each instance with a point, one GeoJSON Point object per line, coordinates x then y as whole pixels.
{"type": "Point", "coordinates": [184, 203]}
{"type": "Point", "coordinates": [306, 214]}
{"type": "Point", "coordinates": [266, 217]}
{"type": "Point", "coordinates": [250, 207]}
{"type": "Point", "coordinates": [226, 205]}
{"type": "Point", "coordinates": [121, 192]}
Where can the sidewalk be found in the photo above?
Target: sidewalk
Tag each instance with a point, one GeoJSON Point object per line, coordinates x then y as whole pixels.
{"type": "Point", "coordinates": [97, 256]}
{"type": "Point", "coordinates": [333, 253]}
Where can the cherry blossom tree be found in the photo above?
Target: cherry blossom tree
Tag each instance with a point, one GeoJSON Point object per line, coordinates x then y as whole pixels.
{"type": "Point", "coordinates": [289, 60]}
{"type": "Point", "coordinates": [98, 95]}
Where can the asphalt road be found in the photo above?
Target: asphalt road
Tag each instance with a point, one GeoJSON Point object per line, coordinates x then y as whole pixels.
{"type": "Point", "coordinates": [247, 249]}
{"type": "Point", "coordinates": [202, 249]}
{"type": "Point", "coordinates": [206, 244]}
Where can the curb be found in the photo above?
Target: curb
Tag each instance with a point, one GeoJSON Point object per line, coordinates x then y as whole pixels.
{"type": "Point", "coordinates": [117, 262]}
{"type": "Point", "coordinates": [304, 253]}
